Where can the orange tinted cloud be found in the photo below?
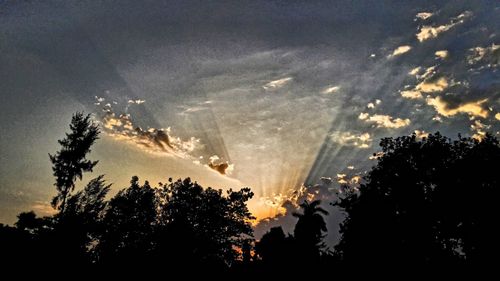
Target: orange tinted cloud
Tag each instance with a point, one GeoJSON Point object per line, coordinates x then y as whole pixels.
{"type": "Point", "coordinates": [429, 32]}
{"type": "Point", "coordinates": [473, 108]}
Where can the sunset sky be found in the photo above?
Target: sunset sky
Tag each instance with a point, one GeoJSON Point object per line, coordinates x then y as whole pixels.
{"type": "Point", "coordinates": [266, 94]}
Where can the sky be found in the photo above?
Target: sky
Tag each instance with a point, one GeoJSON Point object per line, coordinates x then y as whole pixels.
{"type": "Point", "coordinates": [290, 98]}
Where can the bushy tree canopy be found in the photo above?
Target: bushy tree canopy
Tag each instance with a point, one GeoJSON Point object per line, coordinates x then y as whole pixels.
{"type": "Point", "coordinates": [426, 201]}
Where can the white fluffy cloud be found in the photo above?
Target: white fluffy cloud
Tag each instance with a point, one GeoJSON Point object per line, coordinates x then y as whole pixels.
{"type": "Point", "coordinates": [429, 32]}
{"type": "Point", "coordinates": [442, 54]}
{"type": "Point", "coordinates": [361, 140]}
{"type": "Point", "coordinates": [384, 121]}
{"type": "Point", "coordinates": [372, 105]}
{"type": "Point", "coordinates": [400, 50]}
{"type": "Point", "coordinates": [432, 85]}
{"type": "Point", "coordinates": [423, 15]}
{"type": "Point", "coordinates": [415, 71]}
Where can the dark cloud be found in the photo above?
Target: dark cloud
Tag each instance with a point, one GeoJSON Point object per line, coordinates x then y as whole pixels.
{"type": "Point", "coordinates": [217, 164]}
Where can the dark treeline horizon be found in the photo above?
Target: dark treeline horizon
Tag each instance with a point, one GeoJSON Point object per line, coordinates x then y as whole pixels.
{"type": "Point", "coordinates": [427, 202]}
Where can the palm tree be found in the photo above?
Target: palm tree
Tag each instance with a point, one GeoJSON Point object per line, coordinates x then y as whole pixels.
{"type": "Point", "coordinates": [310, 227]}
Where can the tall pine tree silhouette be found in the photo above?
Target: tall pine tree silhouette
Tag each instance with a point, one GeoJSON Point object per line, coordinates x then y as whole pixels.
{"type": "Point", "coordinates": [70, 162]}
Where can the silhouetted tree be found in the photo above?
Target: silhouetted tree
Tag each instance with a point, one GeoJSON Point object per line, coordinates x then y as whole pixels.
{"type": "Point", "coordinates": [309, 230]}
{"type": "Point", "coordinates": [28, 242]}
{"type": "Point", "coordinates": [275, 249]}
{"type": "Point", "coordinates": [88, 204]}
{"type": "Point", "coordinates": [129, 226]}
{"type": "Point", "coordinates": [79, 227]}
{"type": "Point", "coordinates": [427, 201]}
{"type": "Point", "coordinates": [207, 226]}
{"type": "Point", "coordinates": [246, 251]}
{"type": "Point", "coordinates": [69, 163]}
{"type": "Point", "coordinates": [28, 221]}
{"type": "Point", "coordinates": [16, 246]}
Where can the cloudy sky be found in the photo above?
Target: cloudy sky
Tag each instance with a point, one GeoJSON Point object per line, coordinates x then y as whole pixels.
{"type": "Point", "coordinates": [267, 94]}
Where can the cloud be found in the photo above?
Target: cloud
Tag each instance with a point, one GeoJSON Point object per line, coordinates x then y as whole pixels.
{"type": "Point", "coordinates": [200, 106]}
{"type": "Point", "coordinates": [223, 167]}
{"type": "Point", "coordinates": [327, 189]}
{"type": "Point", "coordinates": [473, 108]}
{"type": "Point", "coordinates": [432, 85]}
{"type": "Point", "coordinates": [479, 130]}
{"type": "Point", "coordinates": [411, 94]}
{"type": "Point", "coordinates": [154, 140]}
{"type": "Point", "coordinates": [429, 72]}
{"type": "Point", "coordinates": [489, 55]}
{"type": "Point", "coordinates": [277, 83]}
{"type": "Point", "coordinates": [43, 208]}
{"type": "Point", "coordinates": [423, 15]}
{"type": "Point", "coordinates": [442, 54]}
{"type": "Point", "coordinates": [373, 105]}
{"type": "Point", "coordinates": [331, 90]}
{"type": "Point", "coordinates": [344, 179]}
{"type": "Point", "coordinates": [429, 32]}
{"type": "Point", "coordinates": [429, 83]}
{"type": "Point", "coordinates": [287, 202]}
{"type": "Point", "coordinates": [384, 121]}
{"type": "Point", "coordinates": [421, 134]}
{"type": "Point", "coordinates": [341, 179]}
{"type": "Point", "coordinates": [400, 50]}
{"type": "Point", "coordinates": [99, 100]}
{"type": "Point", "coordinates": [137, 101]}
{"type": "Point", "coordinates": [414, 71]}
{"type": "Point", "coordinates": [355, 179]}
{"type": "Point", "coordinates": [437, 118]}
{"type": "Point", "coordinates": [157, 141]}
{"type": "Point", "coordinates": [362, 140]}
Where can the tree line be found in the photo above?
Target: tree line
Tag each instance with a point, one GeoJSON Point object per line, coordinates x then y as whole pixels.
{"type": "Point", "coordinates": [427, 202]}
